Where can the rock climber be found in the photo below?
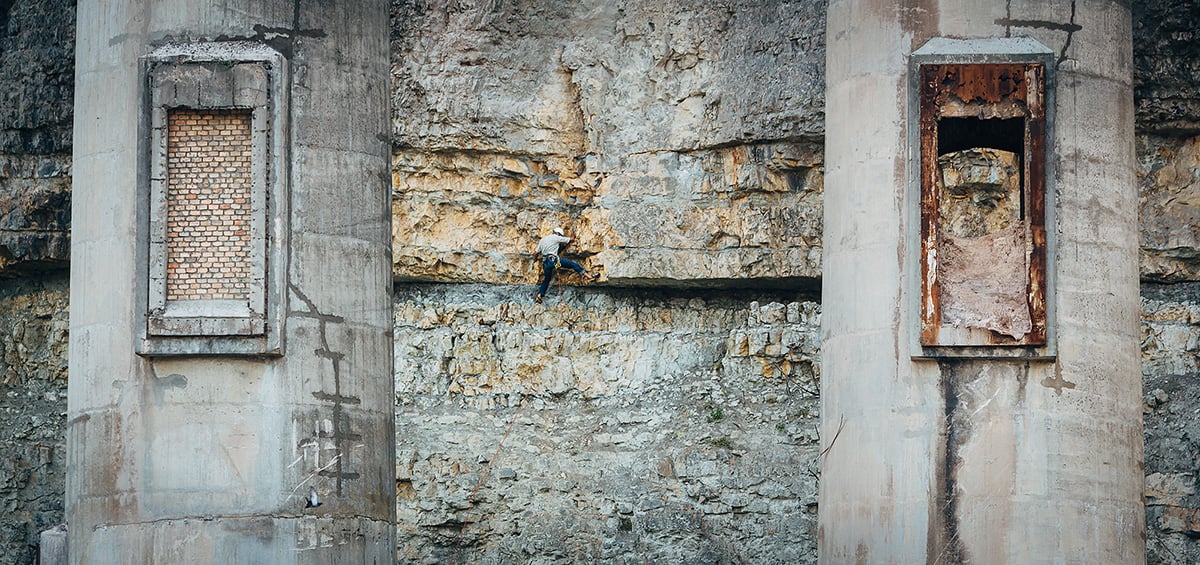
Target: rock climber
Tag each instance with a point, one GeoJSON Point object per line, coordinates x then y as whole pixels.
{"type": "Point", "coordinates": [547, 250]}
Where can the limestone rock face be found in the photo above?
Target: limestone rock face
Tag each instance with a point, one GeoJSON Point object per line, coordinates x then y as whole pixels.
{"type": "Point", "coordinates": [981, 192]}
{"type": "Point", "coordinates": [677, 142]}
{"type": "Point", "coordinates": [37, 74]}
{"type": "Point", "coordinates": [33, 404]}
{"type": "Point", "coordinates": [1170, 346]}
{"type": "Point", "coordinates": [605, 427]}
{"type": "Point", "coordinates": [1169, 178]}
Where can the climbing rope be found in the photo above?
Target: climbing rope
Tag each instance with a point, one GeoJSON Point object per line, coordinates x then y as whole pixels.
{"type": "Point", "coordinates": [487, 469]}
{"type": "Point", "coordinates": [556, 280]}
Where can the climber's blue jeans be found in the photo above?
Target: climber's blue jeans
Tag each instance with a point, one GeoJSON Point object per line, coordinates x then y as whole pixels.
{"type": "Point", "coordinates": [550, 264]}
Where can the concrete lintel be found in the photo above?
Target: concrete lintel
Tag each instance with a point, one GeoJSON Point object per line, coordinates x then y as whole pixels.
{"type": "Point", "coordinates": [215, 51]}
{"type": "Point", "coordinates": [1006, 47]}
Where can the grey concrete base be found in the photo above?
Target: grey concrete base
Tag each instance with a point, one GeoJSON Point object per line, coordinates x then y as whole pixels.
{"type": "Point", "coordinates": [251, 539]}
{"type": "Point", "coordinates": [52, 546]}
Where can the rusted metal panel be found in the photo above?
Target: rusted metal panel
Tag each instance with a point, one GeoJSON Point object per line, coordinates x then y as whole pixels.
{"type": "Point", "coordinates": [1035, 142]}
{"type": "Point", "coordinates": [931, 311]}
{"type": "Point", "coordinates": [983, 91]}
{"type": "Point", "coordinates": [981, 84]}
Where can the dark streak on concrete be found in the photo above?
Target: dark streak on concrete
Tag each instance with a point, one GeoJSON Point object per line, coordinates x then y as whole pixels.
{"type": "Point", "coordinates": [1043, 24]}
{"type": "Point", "coordinates": [1022, 382]}
{"type": "Point", "coordinates": [337, 398]}
{"type": "Point", "coordinates": [263, 31]}
{"type": "Point", "coordinates": [943, 544]}
{"type": "Point", "coordinates": [1007, 17]}
{"type": "Point", "coordinates": [918, 18]}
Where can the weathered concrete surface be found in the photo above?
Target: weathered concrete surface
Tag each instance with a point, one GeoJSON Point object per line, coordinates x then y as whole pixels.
{"type": "Point", "coordinates": [211, 459]}
{"type": "Point", "coordinates": [33, 395]}
{"type": "Point", "coordinates": [37, 73]}
{"type": "Point", "coordinates": [964, 460]}
{"type": "Point", "coordinates": [605, 427]}
{"type": "Point", "coordinates": [628, 124]}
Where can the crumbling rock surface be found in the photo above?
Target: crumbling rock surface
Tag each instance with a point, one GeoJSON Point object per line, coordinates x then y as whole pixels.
{"type": "Point", "coordinates": [1169, 193]}
{"type": "Point", "coordinates": [606, 426]}
{"type": "Point", "coordinates": [1171, 373]}
{"type": "Point", "coordinates": [37, 75]}
{"type": "Point", "coordinates": [33, 404]}
{"type": "Point", "coordinates": [735, 216]}
{"type": "Point", "coordinates": [679, 142]}
{"type": "Point", "coordinates": [1166, 59]}
{"type": "Point", "coordinates": [981, 192]}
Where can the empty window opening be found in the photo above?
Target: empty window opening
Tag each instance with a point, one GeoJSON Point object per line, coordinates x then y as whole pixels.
{"type": "Point", "coordinates": [5, 9]}
{"type": "Point", "coordinates": [982, 205]}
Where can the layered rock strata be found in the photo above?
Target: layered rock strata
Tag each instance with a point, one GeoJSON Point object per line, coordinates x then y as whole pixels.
{"type": "Point", "coordinates": [37, 74]}
{"type": "Point", "coordinates": [605, 427]}
{"type": "Point", "coordinates": [678, 143]}
{"type": "Point", "coordinates": [491, 100]}
{"type": "Point", "coordinates": [33, 405]}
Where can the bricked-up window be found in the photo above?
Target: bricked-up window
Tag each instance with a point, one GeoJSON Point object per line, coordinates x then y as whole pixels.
{"type": "Point", "coordinates": [983, 243]}
{"type": "Point", "coordinates": [215, 189]}
{"type": "Point", "coordinates": [208, 204]}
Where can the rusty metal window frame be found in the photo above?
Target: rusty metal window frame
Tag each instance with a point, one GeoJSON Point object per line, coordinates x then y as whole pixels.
{"type": "Point", "coordinates": [929, 67]}
{"type": "Point", "coordinates": [216, 76]}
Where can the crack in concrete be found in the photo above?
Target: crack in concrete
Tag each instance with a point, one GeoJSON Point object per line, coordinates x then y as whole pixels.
{"type": "Point", "coordinates": [342, 433]}
{"type": "Point", "coordinates": [216, 517]}
{"type": "Point", "coordinates": [1008, 16]}
{"type": "Point", "coordinates": [1070, 28]}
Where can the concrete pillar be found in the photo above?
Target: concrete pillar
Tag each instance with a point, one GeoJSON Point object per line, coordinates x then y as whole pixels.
{"type": "Point", "coordinates": [972, 458]}
{"type": "Point", "coordinates": [200, 430]}
{"type": "Point", "coordinates": [52, 546]}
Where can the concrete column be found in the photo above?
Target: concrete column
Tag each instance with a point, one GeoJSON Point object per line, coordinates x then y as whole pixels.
{"type": "Point", "coordinates": [979, 460]}
{"type": "Point", "coordinates": [211, 458]}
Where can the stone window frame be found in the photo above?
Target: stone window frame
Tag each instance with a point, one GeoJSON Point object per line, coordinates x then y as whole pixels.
{"type": "Point", "coordinates": [216, 76]}
{"type": "Point", "coordinates": [946, 51]}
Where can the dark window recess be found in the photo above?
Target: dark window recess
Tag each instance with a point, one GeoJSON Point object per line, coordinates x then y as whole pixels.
{"type": "Point", "coordinates": [5, 8]}
{"type": "Point", "coordinates": [983, 218]}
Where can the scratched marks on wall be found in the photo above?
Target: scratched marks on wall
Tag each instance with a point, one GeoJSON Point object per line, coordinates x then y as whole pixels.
{"type": "Point", "coordinates": [330, 448]}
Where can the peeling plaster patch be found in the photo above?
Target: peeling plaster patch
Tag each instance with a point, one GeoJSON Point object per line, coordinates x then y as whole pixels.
{"type": "Point", "coordinates": [173, 380]}
{"type": "Point", "coordinates": [995, 302]}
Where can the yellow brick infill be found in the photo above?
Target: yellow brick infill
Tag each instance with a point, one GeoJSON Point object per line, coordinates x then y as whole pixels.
{"type": "Point", "coordinates": [208, 204]}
